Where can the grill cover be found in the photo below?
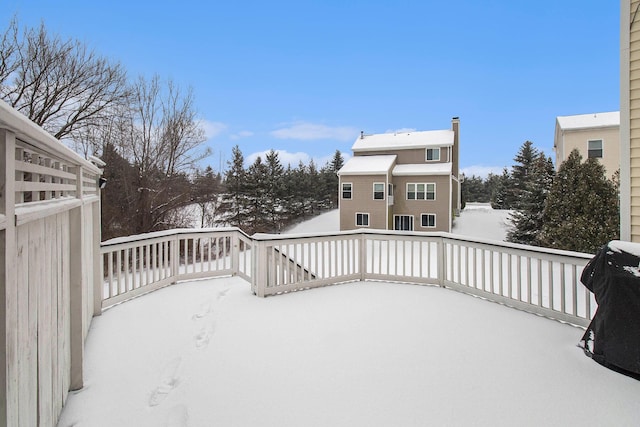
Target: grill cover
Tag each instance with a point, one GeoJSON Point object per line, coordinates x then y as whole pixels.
{"type": "Point", "coordinates": [613, 275]}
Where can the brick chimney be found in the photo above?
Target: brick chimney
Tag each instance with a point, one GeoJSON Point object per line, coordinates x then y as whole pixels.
{"type": "Point", "coordinates": [455, 166]}
{"type": "Point", "coordinates": [455, 150]}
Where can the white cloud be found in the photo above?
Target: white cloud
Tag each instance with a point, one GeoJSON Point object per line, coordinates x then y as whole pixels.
{"type": "Point", "coordinates": [212, 129]}
{"type": "Point", "coordinates": [481, 171]}
{"type": "Point", "coordinates": [241, 134]}
{"type": "Point", "coordinates": [293, 159]}
{"type": "Point", "coordinates": [285, 157]}
{"type": "Point", "coordinates": [311, 131]}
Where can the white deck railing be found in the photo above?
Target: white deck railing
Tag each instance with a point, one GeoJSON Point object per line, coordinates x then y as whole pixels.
{"type": "Point", "coordinates": [49, 263]}
{"type": "Point", "coordinates": [538, 280]}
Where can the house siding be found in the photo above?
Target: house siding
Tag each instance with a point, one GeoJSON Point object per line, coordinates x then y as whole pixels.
{"type": "Point", "coordinates": [439, 206]}
{"type": "Point", "coordinates": [410, 156]}
{"type": "Point", "coordinates": [362, 202]}
{"type": "Point", "coordinates": [630, 121]}
{"type": "Point", "coordinates": [579, 139]}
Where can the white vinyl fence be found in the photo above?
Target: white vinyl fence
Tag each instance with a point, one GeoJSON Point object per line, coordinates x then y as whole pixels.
{"type": "Point", "coordinates": [49, 263]}
{"type": "Point", "coordinates": [538, 280]}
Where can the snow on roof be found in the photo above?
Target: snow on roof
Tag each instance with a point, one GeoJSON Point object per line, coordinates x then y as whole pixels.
{"type": "Point", "coordinates": [373, 165]}
{"type": "Point", "coordinates": [422, 169]}
{"type": "Point", "coordinates": [404, 141]}
{"type": "Point", "coordinates": [594, 120]}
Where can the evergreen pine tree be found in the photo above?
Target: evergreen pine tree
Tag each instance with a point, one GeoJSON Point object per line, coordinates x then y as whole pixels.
{"type": "Point", "coordinates": [315, 191]}
{"type": "Point", "coordinates": [234, 200]}
{"type": "Point", "coordinates": [257, 186]}
{"type": "Point", "coordinates": [527, 221]}
{"type": "Point", "coordinates": [582, 209]}
{"type": "Point", "coordinates": [329, 180]}
{"type": "Point", "coordinates": [521, 174]}
{"type": "Point", "coordinates": [274, 192]}
{"type": "Point", "coordinates": [502, 198]}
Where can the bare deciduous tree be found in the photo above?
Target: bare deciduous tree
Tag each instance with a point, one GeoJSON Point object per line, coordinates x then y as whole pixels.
{"type": "Point", "coordinates": [58, 84]}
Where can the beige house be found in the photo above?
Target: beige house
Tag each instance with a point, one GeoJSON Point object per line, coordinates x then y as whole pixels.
{"type": "Point", "coordinates": [402, 181]}
{"type": "Point", "coordinates": [594, 135]}
{"type": "Point", "coordinates": [630, 121]}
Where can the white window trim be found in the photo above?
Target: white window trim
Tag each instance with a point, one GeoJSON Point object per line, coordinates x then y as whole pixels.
{"type": "Point", "coordinates": [383, 190]}
{"type": "Point", "coordinates": [425, 191]}
{"type": "Point", "coordinates": [433, 160]}
{"type": "Point", "coordinates": [342, 191]}
{"type": "Point", "coordinates": [368, 219]}
{"type": "Point", "coordinates": [435, 220]}
{"type": "Point", "coordinates": [413, 221]}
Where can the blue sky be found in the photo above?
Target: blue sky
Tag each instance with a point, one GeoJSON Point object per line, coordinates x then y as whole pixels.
{"type": "Point", "coordinates": [306, 77]}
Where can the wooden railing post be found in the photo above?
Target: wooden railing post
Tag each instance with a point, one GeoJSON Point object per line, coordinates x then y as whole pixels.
{"type": "Point", "coordinates": [98, 273]}
{"type": "Point", "coordinates": [235, 252]}
{"type": "Point", "coordinates": [175, 258]}
{"type": "Point", "coordinates": [77, 285]}
{"type": "Point", "coordinates": [259, 265]}
{"type": "Point", "coordinates": [8, 284]}
{"type": "Point", "coordinates": [442, 261]}
{"type": "Point", "coordinates": [362, 256]}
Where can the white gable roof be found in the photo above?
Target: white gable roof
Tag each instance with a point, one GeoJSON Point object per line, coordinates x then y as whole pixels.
{"type": "Point", "coordinates": [404, 141]}
{"type": "Point", "coordinates": [585, 121]}
{"type": "Point", "coordinates": [368, 165]}
{"type": "Point", "coordinates": [422, 169]}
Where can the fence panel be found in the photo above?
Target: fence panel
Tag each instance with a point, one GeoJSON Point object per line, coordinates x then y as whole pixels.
{"type": "Point", "coordinates": [46, 245]}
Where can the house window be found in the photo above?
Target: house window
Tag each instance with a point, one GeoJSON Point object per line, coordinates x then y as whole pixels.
{"type": "Point", "coordinates": [428, 220]}
{"type": "Point", "coordinates": [595, 148]}
{"type": "Point", "coordinates": [403, 222]}
{"type": "Point", "coordinates": [433, 154]}
{"type": "Point", "coordinates": [378, 190]}
{"type": "Point", "coordinates": [431, 192]}
{"type": "Point", "coordinates": [362, 219]}
{"type": "Point", "coordinates": [420, 191]}
{"type": "Point", "coordinates": [346, 190]}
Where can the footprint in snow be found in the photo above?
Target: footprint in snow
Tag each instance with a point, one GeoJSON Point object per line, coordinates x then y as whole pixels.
{"type": "Point", "coordinates": [223, 293]}
{"type": "Point", "coordinates": [204, 335]}
{"type": "Point", "coordinates": [205, 308]}
{"type": "Point", "coordinates": [169, 379]}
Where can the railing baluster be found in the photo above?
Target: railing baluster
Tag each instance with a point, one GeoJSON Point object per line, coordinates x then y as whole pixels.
{"type": "Point", "coordinates": [119, 266]}
{"type": "Point", "coordinates": [296, 262]}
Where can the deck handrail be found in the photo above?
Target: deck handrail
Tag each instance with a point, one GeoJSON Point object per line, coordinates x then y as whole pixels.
{"type": "Point", "coordinates": [539, 280]}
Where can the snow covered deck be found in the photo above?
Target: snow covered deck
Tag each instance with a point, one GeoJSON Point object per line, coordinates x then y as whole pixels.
{"type": "Point", "coordinates": [363, 354]}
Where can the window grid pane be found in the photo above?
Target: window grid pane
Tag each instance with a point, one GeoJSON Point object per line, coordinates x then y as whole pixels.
{"type": "Point", "coordinates": [411, 191]}
{"type": "Point", "coordinates": [378, 191]}
{"type": "Point", "coordinates": [595, 149]}
{"type": "Point", "coordinates": [362, 219]}
{"type": "Point", "coordinates": [346, 191]}
{"type": "Point", "coordinates": [429, 220]}
{"type": "Point", "coordinates": [431, 191]}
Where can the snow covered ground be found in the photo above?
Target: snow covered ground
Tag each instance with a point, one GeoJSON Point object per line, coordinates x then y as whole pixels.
{"type": "Point", "coordinates": [209, 353]}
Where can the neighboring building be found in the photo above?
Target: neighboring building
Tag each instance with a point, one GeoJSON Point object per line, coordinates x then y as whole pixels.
{"type": "Point", "coordinates": [402, 181]}
{"type": "Point", "coordinates": [630, 121]}
{"type": "Point", "coordinates": [594, 135]}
